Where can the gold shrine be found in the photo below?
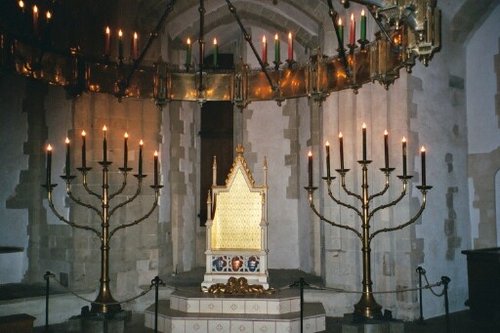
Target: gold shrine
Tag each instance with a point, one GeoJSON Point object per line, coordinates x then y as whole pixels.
{"type": "Point", "coordinates": [237, 232]}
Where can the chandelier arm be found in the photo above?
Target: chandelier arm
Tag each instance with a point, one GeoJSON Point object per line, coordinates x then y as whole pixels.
{"type": "Point", "coordinates": [126, 225]}
{"type": "Point", "coordinates": [333, 15]}
{"type": "Point", "coordinates": [151, 38]}
{"type": "Point", "coordinates": [201, 44]}
{"type": "Point", "coordinates": [322, 218]}
{"type": "Point", "coordinates": [381, 27]}
{"type": "Point", "coordinates": [248, 38]}
{"type": "Point", "coordinates": [352, 194]}
{"type": "Point", "coordinates": [86, 187]}
{"type": "Point", "coordinates": [129, 200]}
{"type": "Point", "coordinates": [81, 203]}
{"type": "Point", "coordinates": [63, 219]}
{"type": "Point", "coordinates": [382, 192]}
{"type": "Point", "coordinates": [122, 187]}
{"type": "Point", "coordinates": [338, 202]}
{"type": "Point", "coordinates": [401, 226]}
{"type": "Point", "coordinates": [392, 203]}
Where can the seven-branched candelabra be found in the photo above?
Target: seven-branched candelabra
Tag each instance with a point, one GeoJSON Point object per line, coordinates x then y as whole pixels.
{"type": "Point", "coordinates": [104, 303]}
{"type": "Point", "coordinates": [367, 307]}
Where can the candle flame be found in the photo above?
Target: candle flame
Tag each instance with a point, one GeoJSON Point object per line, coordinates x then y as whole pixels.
{"type": "Point", "coordinates": [362, 12]}
{"type": "Point", "coordinates": [104, 128]}
{"type": "Point", "coordinates": [188, 41]}
{"type": "Point", "coordinates": [120, 33]}
{"type": "Point", "coordinates": [66, 141]}
{"type": "Point", "coordinates": [141, 142]}
{"type": "Point", "coordinates": [83, 133]}
{"type": "Point", "coordinates": [404, 139]}
{"type": "Point", "coordinates": [263, 39]}
{"type": "Point", "coordinates": [156, 153]}
{"type": "Point", "coordinates": [136, 36]}
{"type": "Point", "coordinates": [215, 41]}
{"type": "Point", "coordinates": [327, 144]}
{"type": "Point", "coordinates": [386, 133]}
{"type": "Point", "coordinates": [352, 17]}
{"type": "Point", "coordinates": [21, 4]}
{"type": "Point", "coordinates": [422, 149]}
{"type": "Point", "coordinates": [49, 147]}
{"type": "Point", "coordinates": [363, 126]}
{"type": "Point", "coordinates": [125, 135]}
{"type": "Point", "coordinates": [310, 153]}
{"type": "Point", "coordinates": [289, 35]}
{"type": "Point", "coordinates": [340, 21]}
{"type": "Point", "coordinates": [340, 135]}
{"type": "Point", "coordinates": [35, 9]}
{"type": "Point", "coordinates": [276, 37]}
{"type": "Point", "coordinates": [48, 15]}
{"type": "Point", "coordinates": [108, 30]}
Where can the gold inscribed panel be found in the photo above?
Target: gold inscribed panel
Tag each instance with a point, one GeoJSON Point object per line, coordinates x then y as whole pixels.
{"type": "Point", "coordinates": [236, 224]}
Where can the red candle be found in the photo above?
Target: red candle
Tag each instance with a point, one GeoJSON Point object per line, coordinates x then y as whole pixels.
{"type": "Point", "coordinates": [49, 166]}
{"type": "Point", "coordinates": [290, 46]}
{"type": "Point", "coordinates": [68, 160]}
{"type": "Point", "coordinates": [422, 156]}
{"type": "Point", "coordinates": [327, 147]}
{"type": "Point", "coordinates": [341, 149]}
{"type": "Point", "coordinates": [404, 156]}
{"type": "Point", "coordinates": [125, 150]}
{"type": "Point", "coordinates": [386, 149]}
{"type": "Point", "coordinates": [352, 31]}
{"type": "Point", "coordinates": [310, 168]}
{"type": "Point", "coordinates": [264, 50]}
{"type": "Point", "coordinates": [156, 168]}
{"type": "Point", "coordinates": [107, 42]}
{"type": "Point", "coordinates": [84, 151]}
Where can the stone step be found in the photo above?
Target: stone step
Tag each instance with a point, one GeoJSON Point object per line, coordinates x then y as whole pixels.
{"type": "Point", "coordinates": [174, 321]}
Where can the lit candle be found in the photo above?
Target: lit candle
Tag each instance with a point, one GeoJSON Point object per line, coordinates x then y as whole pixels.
{"type": "Point", "coordinates": [327, 147]}
{"type": "Point", "coordinates": [363, 129]}
{"type": "Point", "coordinates": [156, 168]}
{"type": "Point", "coordinates": [21, 5]}
{"type": "Point", "coordinates": [363, 25]}
{"type": "Point", "coordinates": [68, 161]}
{"type": "Point", "coordinates": [49, 165]}
{"type": "Point", "coordinates": [264, 50]}
{"type": "Point", "coordinates": [107, 42]}
{"type": "Point", "coordinates": [404, 156]}
{"type": "Point", "coordinates": [341, 149]}
{"type": "Point", "coordinates": [352, 31]}
{"type": "Point", "coordinates": [84, 151]}
{"type": "Point", "coordinates": [276, 49]}
{"type": "Point", "coordinates": [141, 143]}
{"type": "Point", "coordinates": [104, 144]}
{"type": "Point", "coordinates": [386, 149]}
{"type": "Point", "coordinates": [48, 16]}
{"type": "Point", "coordinates": [135, 46]}
{"type": "Point", "coordinates": [125, 150]}
{"type": "Point", "coordinates": [35, 19]}
{"type": "Point", "coordinates": [188, 51]}
{"type": "Point", "coordinates": [310, 168]}
{"type": "Point", "coordinates": [290, 46]}
{"type": "Point", "coordinates": [422, 156]}
{"type": "Point", "coordinates": [341, 33]}
{"type": "Point", "coordinates": [120, 44]}
{"type": "Point", "coordinates": [216, 52]}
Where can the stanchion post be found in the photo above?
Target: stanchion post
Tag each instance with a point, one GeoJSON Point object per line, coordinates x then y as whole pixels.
{"type": "Point", "coordinates": [301, 285]}
{"type": "Point", "coordinates": [445, 280]}
{"type": "Point", "coordinates": [156, 282]}
{"type": "Point", "coordinates": [420, 271]}
{"type": "Point", "coordinates": [47, 276]}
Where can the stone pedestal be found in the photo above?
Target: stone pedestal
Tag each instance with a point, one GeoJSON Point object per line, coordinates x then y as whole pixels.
{"type": "Point", "coordinates": [98, 323]}
{"type": "Point", "coordinates": [371, 326]}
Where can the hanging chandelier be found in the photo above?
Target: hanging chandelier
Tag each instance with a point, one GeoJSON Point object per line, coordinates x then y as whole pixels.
{"type": "Point", "coordinates": [407, 30]}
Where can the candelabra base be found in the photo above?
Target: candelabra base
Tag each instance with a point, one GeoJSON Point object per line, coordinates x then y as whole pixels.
{"type": "Point", "coordinates": [367, 308]}
{"type": "Point", "coordinates": [350, 325]}
{"type": "Point", "coordinates": [100, 323]}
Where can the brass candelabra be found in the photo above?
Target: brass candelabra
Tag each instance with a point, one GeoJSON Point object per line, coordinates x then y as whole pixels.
{"type": "Point", "coordinates": [104, 302]}
{"type": "Point", "coordinates": [367, 307]}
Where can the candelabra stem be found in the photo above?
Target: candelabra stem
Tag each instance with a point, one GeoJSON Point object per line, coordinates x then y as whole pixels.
{"type": "Point", "coordinates": [105, 303]}
{"type": "Point", "coordinates": [367, 307]}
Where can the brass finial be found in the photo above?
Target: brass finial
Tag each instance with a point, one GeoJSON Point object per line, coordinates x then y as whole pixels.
{"type": "Point", "coordinates": [239, 149]}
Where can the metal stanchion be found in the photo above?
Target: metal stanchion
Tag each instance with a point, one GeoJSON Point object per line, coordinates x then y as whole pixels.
{"type": "Point", "coordinates": [156, 282]}
{"type": "Point", "coordinates": [47, 276]}
{"type": "Point", "coordinates": [420, 271]}
{"type": "Point", "coordinates": [445, 280]}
